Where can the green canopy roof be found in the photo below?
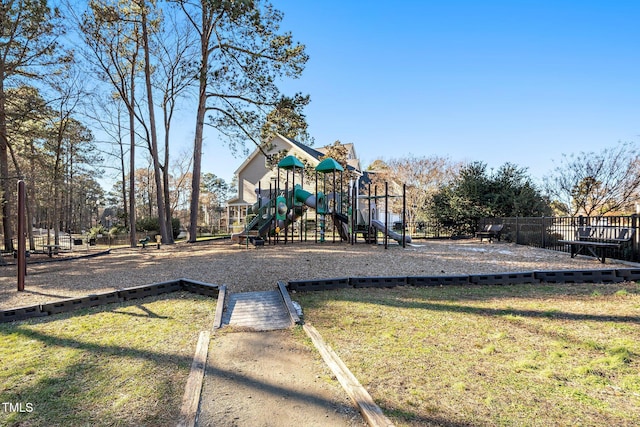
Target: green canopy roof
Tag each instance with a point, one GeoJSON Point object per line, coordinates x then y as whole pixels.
{"type": "Point", "coordinates": [290, 162]}
{"type": "Point", "coordinates": [329, 165]}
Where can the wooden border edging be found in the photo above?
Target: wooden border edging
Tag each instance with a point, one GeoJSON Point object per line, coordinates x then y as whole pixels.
{"type": "Point", "coordinates": [193, 389]}
{"type": "Point", "coordinates": [222, 294]}
{"type": "Point", "coordinates": [293, 314]}
{"type": "Point", "coordinates": [361, 398]}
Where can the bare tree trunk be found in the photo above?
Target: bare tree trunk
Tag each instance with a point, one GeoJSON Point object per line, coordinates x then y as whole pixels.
{"type": "Point", "coordinates": [167, 195]}
{"type": "Point", "coordinates": [157, 173]}
{"type": "Point", "coordinates": [200, 115]}
{"type": "Point", "coordinates": [132, 170]}
{"type": "Point", "coordinates": [56, 183]}
{"type": "Point", "coordinates": [197, 161]}
{"type": "Point", "coordinates": [31, 196]}
{"type": "Point", "coordinates": [123, 188]}
{"type": "Point", "coordinates": [123, 171]}
{"type": "Point", "coordinates": [4, 174]}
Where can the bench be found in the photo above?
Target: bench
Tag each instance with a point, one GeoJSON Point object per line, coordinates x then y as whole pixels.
{"type": "Point", "coordinates": [144, 242]}
{"type": "Point", "coordinates": [490, 231]}
{"type": "Point", "coordinates": [588, 240]}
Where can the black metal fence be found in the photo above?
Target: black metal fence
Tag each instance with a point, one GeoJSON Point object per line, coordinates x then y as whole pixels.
{"type": "Point", "coordinates": [68, 242]}
{"type": "Point", "coordinates": [430, 229]}
{"type": "Point", "coordinates": [540, 232]}
{"type": "Point", "coordinates": [545, 232]}
{"type": "Point", "coordinates": [65, 243]}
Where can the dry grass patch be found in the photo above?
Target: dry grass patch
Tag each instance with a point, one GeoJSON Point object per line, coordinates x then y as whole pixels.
{"type": "Point", "coordinates": [120, 364]}
{"type": "Point", "coordinates": [490, 355]}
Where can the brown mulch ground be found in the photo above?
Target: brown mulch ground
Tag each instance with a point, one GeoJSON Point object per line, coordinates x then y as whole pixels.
{"type": "Point", "coordinates": [245, 269]}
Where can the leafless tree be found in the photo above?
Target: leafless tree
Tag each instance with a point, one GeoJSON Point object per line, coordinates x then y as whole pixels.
{"type": "Point", "coordinates": [423, 176]}
{"type": "Point", "coordinates": [596, 183]}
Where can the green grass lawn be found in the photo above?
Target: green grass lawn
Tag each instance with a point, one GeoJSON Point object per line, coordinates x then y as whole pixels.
{"type": "Point", "coordinates": [119, 364]}
{"type": "Point", "coordinates": [534, 355]}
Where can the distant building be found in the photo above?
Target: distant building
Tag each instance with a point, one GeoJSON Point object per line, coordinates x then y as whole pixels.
{"type": "Point", "coordinates": [255, 172]}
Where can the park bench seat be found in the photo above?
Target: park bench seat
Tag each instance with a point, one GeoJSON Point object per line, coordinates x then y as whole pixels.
{"type": "Point", "coordinates": [490, 231]}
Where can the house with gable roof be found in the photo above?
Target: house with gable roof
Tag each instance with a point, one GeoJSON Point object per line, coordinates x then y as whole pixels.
{"type": "Point", "coordinates": [256, 173]}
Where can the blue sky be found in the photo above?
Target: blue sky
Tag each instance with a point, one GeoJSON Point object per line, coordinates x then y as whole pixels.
{"type": "Point", "coordinates": [494, 81]}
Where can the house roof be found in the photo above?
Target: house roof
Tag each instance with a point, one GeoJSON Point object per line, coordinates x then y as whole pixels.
{"type": "Point", "coordinates": [352, 164]}
{"type": "Point", "coordinates": [316, 154]}
{"type": "Point", "coordinates": [308, 150]}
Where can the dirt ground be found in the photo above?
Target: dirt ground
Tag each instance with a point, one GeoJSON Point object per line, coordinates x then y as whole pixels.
{"type": "Point", "coordinates": [270, 379]}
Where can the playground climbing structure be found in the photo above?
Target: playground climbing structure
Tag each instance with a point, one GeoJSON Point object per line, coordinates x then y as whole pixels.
{"type": "Point", "coordinates": [341, 215]}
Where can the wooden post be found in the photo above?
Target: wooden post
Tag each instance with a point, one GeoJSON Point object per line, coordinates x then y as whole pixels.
{"type": "Point", "coordinates": [22, 261]}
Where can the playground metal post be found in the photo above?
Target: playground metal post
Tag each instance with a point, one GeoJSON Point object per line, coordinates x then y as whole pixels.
{"type": "Point", "coordinates": [271, 220]}
{"type": "Point", "coordinates": [286, 198]}
{"type": "Point", "coordinates": [404, 215]}
{"type": "Point", "coordinates": [22, 261]}
{"type": "Point", "coordinates": [293, 202]}
{"type": "Point", "coordinates": [341, 190]}
{"type": "Point", "coordinates": [276, 236]}
{"type": "Point", "coordinates": [315, 235]}
{"type": "Point", "coordinates": [333, 217]}
{"type": "Point", "coordinates": [300, 230]}
{"type": "Point", "coordinates": [323, 219]}
{"type": "Point", "coordinates": [386, 215]}
{"type": "Point", "coordinates": [246, 234]}
{"type": "Point", "coordinates": [375, 198]}
{"type": "Point", "coordinates": [354, 211]}
{"type": "Point", "coordinates": [369, 222]}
